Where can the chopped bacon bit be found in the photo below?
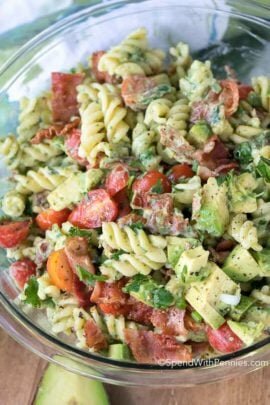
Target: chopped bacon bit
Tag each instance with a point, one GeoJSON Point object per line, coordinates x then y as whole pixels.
{"type": "Point", "coordinates": [149, 347]}
{"type": "Point", "coordinates": [225, 244]}
{"type": "Point", "coordinates": [94, 336]}
{"type": "Point", "coordinates": [55, 130]}
{"type": "Point", "coordinates": [222, 250]}
{"type": "Point", "coordinates": [131, 219]}
{"type": "Point", "coordinates": [82, 292]}
{"type": "Point", "coordinates": [139, 312]}
{"type": "Point", "coordinates": [193, 326]}
{"type": "Point", "coordinates": [170, 322]}
{"type": "Point", "coordinates": [77, 252]}
{"type": "Point", "coordinates": [214, 159]}
{"type": "Point", "coordinates": [172, 138]}
{"type": "Point", "coordinates": [64, 95]}
{"type": "Point", "coordinates": [110, 297]}
{"type": "Point", "coordinates": [161, 217]}
{"type": "Point", "coordinates": [72, 143]}
{"type": "Point", "coordinates": [199, 348]}
{"type": "Point", "coordinates": [101, 77]}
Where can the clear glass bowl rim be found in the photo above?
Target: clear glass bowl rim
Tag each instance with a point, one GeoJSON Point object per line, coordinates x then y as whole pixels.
{"type": "Point", "coordinates": [8, 306]}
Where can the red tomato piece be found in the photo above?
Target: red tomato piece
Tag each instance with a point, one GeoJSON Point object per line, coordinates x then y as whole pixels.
{"type": "Point", "coordinates": [229, 96]}
{"type": "Point", "coordinates": [100, 76]}
{"type": "Point", "coordinates": [72, 144]}
{"type": "Point", "coordinates": [121, 198]}
{"type": "Point", "coordinates": [47, 218]}
{"type": "Point", "coordinates": [244, 91]}
{"type": "Point", "coordinates": [180, 171]}
{"type": "Point", "coordinates": [21, 271]}
{"type": "Point", "coordinates": [13, 233]}
{"type": "Point", "coordinates": [64, 95]}
{"type": "Point", "coordinates": [223, 339]}
{"type": "Point", "coordinates": [96, 208]}
{"type": "Point", "coordinates": [152, 181]}
{"type": "Point", "coordinates": [117, 179]}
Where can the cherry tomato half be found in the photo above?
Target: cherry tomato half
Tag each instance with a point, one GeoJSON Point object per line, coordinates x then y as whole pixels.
{"type": "Point", "coordinates": [47, 218]}
{"type": "Point", "coordinates": [152, 181]}
{"type": "Point", "coordinates": [13, 233]}
{"type": "Point", "coordinates": [21, 271]}
{"type": "Point", "coordinates": [96, 208]}
{"type": "Point", "coordinates": [180, 171]}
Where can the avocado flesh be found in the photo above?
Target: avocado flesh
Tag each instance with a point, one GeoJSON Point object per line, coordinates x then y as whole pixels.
{"type": "Point", "coordinates": [248, 332]}
{"type": "Point", "coordinates": [177, 245]}
{"type": "Point", "coordinates": [242, 199]}
{"type": "Point", "coordinates": [61, 387]}
{"type": "Point", "coordinates": [257, 313]}
{"type": "Point", "coordinates": [213, 215]}
{"type": "Point", "coordinates": [240, 310]}
{"type": "Point", "coordinates": [190, 266]}
{"type": "Point", "coordinates": [119, 351]}
{"type": "Point", "coordinates": [199, 134]}
{"type": "Point", "coordinates": [240, 265]}
{"type": "Point", "coordinates": [204, 296]}
{"type": "Point", "coordinates": [263, 260]}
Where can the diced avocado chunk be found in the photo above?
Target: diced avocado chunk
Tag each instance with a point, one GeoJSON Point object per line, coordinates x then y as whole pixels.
{"type": "Point", "coordinates": [240, 265]}
{"type": "Point", "coordinates": [199, 134]}
{"type": "Point", "coordinates": [238, 312]}
{"type": "Point", "coordinates": [176, 246]}
{"type": "Point", "coordinates": [212, 215]}
{"type": "Point", "coordinates": [72, 189]}
{"type": "Point", "coordinates": [258, 314]}
{"type": "Point", "coordinates": [204, 296]}
{"type": "Point", "coordinates": [263, 260]}
{"type": "Point", "coordinates": [119, 351]}
{"type": "Point", "coordinates": [241, 196]}
{"type": "Point", "coordinates": [59, 386]}
{"type": "Point", "coordinates": [148, 291]}
{"type": "Point", "coordinates": [192, 265]}
{"type": "Point", "coordinates": [248, 332]}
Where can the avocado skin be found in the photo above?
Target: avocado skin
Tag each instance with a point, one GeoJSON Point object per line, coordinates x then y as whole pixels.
{"type": "Point", "coordinates": [61, 387]}
{"type": "Point", "coordinates": [240, 265]}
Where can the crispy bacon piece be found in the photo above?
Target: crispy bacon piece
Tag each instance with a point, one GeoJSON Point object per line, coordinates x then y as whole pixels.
{"type": "Point", "coordinates": [170, 322]}
{"type": "Point", "coordinates": [193, 326]}
{"type": "Point", "coordinates": [101, 77]}
{"type": "Point", "coordinates": [77, 252]}
{"type": "Point", "coordinates": [72, 143]}
{"type": "Point", "coordinates": [82, 292]}
{"type": "Point", "coordinates": [222, 250]}
{"type": "Point", "coordinates": [110, 297]}
{"type": "Point", "coordinates": [199, 348]}
{"type": "Point", "coordinates": [149, 347]}
{"type": "Point", "coordinates": [94, 336]}
{"type": "Point", "coordinates": [64, 95]}
{"type": "Point", "coordinates": [131, 219]}
{"type": "Point", "coordinates": [55, 130]}
{"type": "Point", "coordinates": [214, 159]}
{"type": "Point", "coordinates": [161, 217]}
{"type": "Point", "coordinates": [172, 138]}
{"type": "Point", "coordinates": [139, 312]}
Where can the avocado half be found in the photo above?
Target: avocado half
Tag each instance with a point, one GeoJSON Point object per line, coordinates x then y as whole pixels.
{"type": "Point", "coordinates": [61, 387]}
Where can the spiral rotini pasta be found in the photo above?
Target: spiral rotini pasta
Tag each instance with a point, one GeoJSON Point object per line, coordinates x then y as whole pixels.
{"type": "Point", "coordinates": [10, 149]}
{"type": "Point", "coordinates": [138, 242]}
{"type": "Point", "coordinates": [261, 85]}
{"type": "Point", "coordinates": [13, 204]}
{"type": "Point", "coordinates": [262, 295]}
{"type": "Point", "coordinates": [181, 62]}
{"type": "Point", "coordinates": [42, 179]}
{"type": "Point", "coordinates": [35, 114]}
{"type": "Point", "coordinates": [130, 264]}
{"type": "Point", "coordinates": [46, 289]}
{"type": "Point", "coordinates": [244, 232]}
{"type": "Point", "coordinates": [114, 114]}
{"type": "Point", "coordinates": [132, 56]}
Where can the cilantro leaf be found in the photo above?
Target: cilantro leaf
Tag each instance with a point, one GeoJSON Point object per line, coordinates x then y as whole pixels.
{"type": "Point", "coordinates": [31, 295]}
{"type": "Point", "coordinates": [242, 153]}
{"type": "Point", "coordinates": [162, 298]}
{"type": "Point", "coordinates": [158, 187]}
{"type": "Point", "coordinates": [88, 278]}
{"type": "Point", "coordinates": [84, 233]}
{"type": "Point", "coordinates": [136, 225]}
{"type": "Point", "coordinates": [263, 168]}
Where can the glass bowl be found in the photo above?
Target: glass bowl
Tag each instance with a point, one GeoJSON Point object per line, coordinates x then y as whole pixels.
{"type": "Point", "coordinates": [230, 33]}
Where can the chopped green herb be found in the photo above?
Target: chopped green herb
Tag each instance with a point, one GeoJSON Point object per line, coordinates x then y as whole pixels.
{"type": "Point", "coordinates": [88, 278]}
{"type": "Point", "coordinates": [242, 153]}
{"type": "Point", "coordinates": [31, 295]}
{"type": "Point", "coordinates": [158, 187]}
{"type": "Point", "coordinates": [196, 316]}
{"type": "Point", "coordinates": [136, 226]}
{"type": "Point", "coordinates": [263, 168]}
{"type": "Point", "coordinates": [117, 254]}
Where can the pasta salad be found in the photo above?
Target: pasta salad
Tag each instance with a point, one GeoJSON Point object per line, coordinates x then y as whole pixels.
{"type": "Point", "coordinates": [139, 210]}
